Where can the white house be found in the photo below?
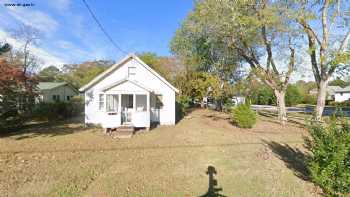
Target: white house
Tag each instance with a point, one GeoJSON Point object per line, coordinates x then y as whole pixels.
{"type": "Point", "coordinates": [331, 92]}
{"type": "Point", "coordinates": [55, 91]}
{"type": "Point", "coordinates": [238, 99]}
{"type": "Point", "coordinates": [342, 94]}
{"type": "Point", "coordinates": [129, 93]}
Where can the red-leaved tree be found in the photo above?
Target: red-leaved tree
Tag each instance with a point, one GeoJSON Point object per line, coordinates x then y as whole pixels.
{"type": "Point", "coordinates": [17, 93]}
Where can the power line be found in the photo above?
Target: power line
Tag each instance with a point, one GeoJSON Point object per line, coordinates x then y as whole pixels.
{"type": "Point", "coordinates": [103, 29]}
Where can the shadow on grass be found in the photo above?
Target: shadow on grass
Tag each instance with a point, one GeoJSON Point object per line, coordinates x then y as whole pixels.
{"type": "Point", "coordinates": [46, 129]}
{"type": "Point", "coordinates": [213, 189]}
{"type": "Point", "coordinates": [180, 115]}
{"type": "Point", "coordinates": [294, 158]}
{"type": "Point", "coordinates": [216, 117]}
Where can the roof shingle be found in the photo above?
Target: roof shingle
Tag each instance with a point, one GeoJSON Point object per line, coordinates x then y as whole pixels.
{"type": "Point", "coordinates": [50, 85]}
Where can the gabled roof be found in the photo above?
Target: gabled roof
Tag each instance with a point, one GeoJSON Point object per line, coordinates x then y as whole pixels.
{"type": "Point", "coordinates": [42, 86]}
{"type": "Point", "coordinates": [332, 89]}
{"type": "Point", "coordinates": [346, 89]}
{"type": "Point", "coordinates": [126, 80]}
{"type": "Point", "coordinates": [50, 85]}
{"type": "Point", "coordinates": [116, 66]}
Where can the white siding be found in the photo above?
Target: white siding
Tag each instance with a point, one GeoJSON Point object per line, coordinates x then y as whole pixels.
{"type": "Point", "coordinates": [143, 77]}
{"type": "Point", "coordinates": [62, 91]}
{"type": "Point", "coordinates": [340, 97]}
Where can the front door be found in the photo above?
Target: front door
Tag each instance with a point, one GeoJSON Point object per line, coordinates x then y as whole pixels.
{"type": "Point", "coordinates": [127, 108]}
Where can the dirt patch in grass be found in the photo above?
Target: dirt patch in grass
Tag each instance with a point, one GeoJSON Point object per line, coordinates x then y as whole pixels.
{"type": "Point", "coordinates": [166, 161]}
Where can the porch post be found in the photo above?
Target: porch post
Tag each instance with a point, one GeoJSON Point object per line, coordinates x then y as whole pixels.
{"type": "Point", "coordinates": [148, 110]}
{"type": "Point", "coordinates": [120, 103]}
{"type": "Point", "coordinates": [134, 102]}
{"type": "Point", "coordinates": [105, 102]}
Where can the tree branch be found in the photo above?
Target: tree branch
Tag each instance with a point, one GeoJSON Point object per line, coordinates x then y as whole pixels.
{"type": "Point", "coordinates": [264, 75]}
{"type": "Point", "coordinates": [309, 30]}
{"type": "Point", "coordinates": [267, 42]}
{"type": "Point", "coordinates": [313, 58]}
{"type": "Point", "coordinates": [312, 39]}
{"type": "Point", "coordinates": [324, 44]}
{"type": "Point", "coordinates": [291, 65]}
{"type": "Point", "coordinates": [269, 51]}
{"type": "Point", "coordinates": [325, 25]}
{"type": "Point", "coordinates": [344, 44]}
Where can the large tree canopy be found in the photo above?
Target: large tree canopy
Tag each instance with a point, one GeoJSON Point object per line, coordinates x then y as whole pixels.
{"type": "Point", "coordinates": [157, 63]}
{"type": "Point", "coordinates": [49, 74]}
{"type": "Point", "coordinates": [203, 49]}
{"type": "Point", "coordinates": [198, 85]}
{"type": "Point", "coordinates": [81, 74]}
{"type": "Point", "coordinates": [218, 34]}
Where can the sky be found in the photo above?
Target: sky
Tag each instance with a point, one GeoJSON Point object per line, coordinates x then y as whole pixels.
{"type": "Point", "coordinates": [70, 35]}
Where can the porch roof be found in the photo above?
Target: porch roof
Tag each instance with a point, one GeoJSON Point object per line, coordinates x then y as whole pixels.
{"type": "Point", "coordinates": [122, 62]}
{"type": "Point", "coordinates": [126, 80]}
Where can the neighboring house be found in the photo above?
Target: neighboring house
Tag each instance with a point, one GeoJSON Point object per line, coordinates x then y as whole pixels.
{"type": "Point", "coordinates": [343, 94]}
{"type": "Point", "coordinates": [56, 91]}
{"type": "Point", "coordinates": [129, 93]}
{"type": "Point", "coordinates": [238, 99]}
{"type": "Point", "coordinates": [331, 91]}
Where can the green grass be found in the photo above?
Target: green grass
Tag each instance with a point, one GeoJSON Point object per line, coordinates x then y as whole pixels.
{"type": "Point", "coordinates": [66, 159]}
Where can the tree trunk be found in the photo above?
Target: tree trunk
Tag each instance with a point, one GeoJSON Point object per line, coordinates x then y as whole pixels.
{"type": "Point", "coordinates": [321, 99]}
{"type": "Point", "coordinates": [281, 106]}
{"type": "Point", "coordinates": [221, 99]}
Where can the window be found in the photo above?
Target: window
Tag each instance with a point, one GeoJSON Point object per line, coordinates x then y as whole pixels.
{"type": "Point", "coordinates": [101, 105]}
{"type": "Point", "coordinates": [56, 97]}
{"type": "Point", "coordinates": [69, 97]}
{"type": "Point", "coordinates": [131, 71]}
{"type": "Point", "coordinates": [112, 102]}
{"type": "Point", "coordinates": [141, 102]}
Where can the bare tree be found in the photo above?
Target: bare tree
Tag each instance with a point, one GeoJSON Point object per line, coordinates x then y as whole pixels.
{"type": "Point", "coordinates": [23, 56]}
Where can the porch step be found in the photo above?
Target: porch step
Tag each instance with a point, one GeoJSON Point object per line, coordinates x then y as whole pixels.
{"type": "Point", "coordinates": [122, 134]}
{"type": "Point", "coordinates": [124, 131]}
{"type": "Point", "coordinates": [126, 128]}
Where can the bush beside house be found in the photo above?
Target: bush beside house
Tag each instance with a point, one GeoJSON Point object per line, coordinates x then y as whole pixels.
{"type": "Point", "coordinates": [59, 110]}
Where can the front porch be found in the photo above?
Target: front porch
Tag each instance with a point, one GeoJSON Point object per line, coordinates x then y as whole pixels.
{"type": "Point", "coordinates": [135, 111]}
{"type": "Point", "coordinates": [128, 105]}
{"type": "Point", "coordinates": [127, 109]}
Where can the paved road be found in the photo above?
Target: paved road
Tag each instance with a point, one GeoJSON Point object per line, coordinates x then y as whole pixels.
{"type": "Point", "coordinates": [309, 109]}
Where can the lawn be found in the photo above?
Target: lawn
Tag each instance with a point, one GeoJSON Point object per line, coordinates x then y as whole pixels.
{"type": "Point", "coordinates": [66, 159]}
